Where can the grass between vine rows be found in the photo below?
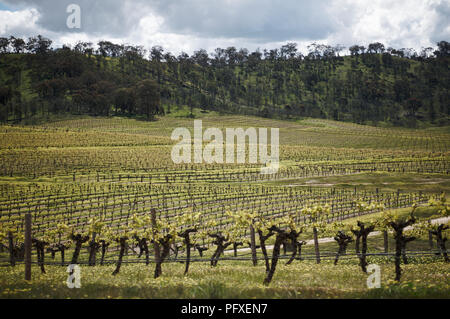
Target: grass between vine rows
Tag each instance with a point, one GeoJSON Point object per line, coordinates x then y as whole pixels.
{"type": "Point", "coordinates": [423, 278]}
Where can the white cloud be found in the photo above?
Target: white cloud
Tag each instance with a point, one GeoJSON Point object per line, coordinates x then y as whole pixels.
{"type": "Point", "coordinates": [181, 25]}
{"type": "Point", "coordinates": [256, 20]}
{"type": "Point", "coordinates": [410, 23]}
{"type": "Point", "coordinates": [19, 23]}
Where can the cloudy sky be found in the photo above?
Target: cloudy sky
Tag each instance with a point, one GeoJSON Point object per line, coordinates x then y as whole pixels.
{"type": "Point", "coordinates": [187, 25]}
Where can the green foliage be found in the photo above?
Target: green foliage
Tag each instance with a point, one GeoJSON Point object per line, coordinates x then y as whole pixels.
{"type": "Point", "coordinates": [440, 202]}
{"type": "Point", "coordinates": [397, 87]}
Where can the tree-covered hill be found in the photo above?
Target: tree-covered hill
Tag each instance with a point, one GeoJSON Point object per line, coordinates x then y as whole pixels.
{"type": "Point", "coordinates": [371, 85]}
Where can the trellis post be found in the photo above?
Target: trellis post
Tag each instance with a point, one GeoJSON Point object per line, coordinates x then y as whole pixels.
{"type": "Point", "coordinates": [155, 231]}
{"type": "Point", "coordinates": [28, 246]}
{"type": "Point", "coordinates": [253, 245]}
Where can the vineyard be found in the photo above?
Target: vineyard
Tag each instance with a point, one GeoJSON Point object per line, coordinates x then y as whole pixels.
{"type": "Point", "coordinates": [104, 193]}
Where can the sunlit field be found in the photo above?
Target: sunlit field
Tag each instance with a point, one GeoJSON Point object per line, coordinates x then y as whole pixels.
{"type": "Point", "coordinates": [100, 178]}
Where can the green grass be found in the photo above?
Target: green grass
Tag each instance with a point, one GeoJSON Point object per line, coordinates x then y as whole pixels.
{"type": "Point", "coordinates": [303, 279]}
{"type": "Point", "coordinates": [390, 182]}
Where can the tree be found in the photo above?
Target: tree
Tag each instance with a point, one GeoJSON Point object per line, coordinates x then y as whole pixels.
{"type": "Point", "coordinates": [95, 229]}
{"type": "Point", "coordinates": [18, 44]}
{"type": "Point", "coordinates": [281, 237]}
{"type": "Point", "coordinates": [84, 48]}
{"type": "Point", "coordinates": [56, 240]}
{"type": "Point", "coordinates": [221, 242]}
{"type": "Point", "coordinates": [39, 45]}
{"type": "Point", "coordinates": [125, 100]}
{"type": "Point", "coordinates": [40, 250]}
{"type": "Point", "coordinates": [438, 230]}
{"type": "Point", "coordinates": [254, 59]}
{"type": "Point", "coordinates": [288, 51]}
{"type": "Point", "coordinates": [361, 232]}
{"type": "Point", "coordinates": [293, 234]}
{"type": "Point", "coordinates": [3, 113]}
{"type": "Point", "coordinates": [122, 239]}
{"type": "Point", "coordinates": [107, 48]}
{"type": "Point", "coordinates": [376, 47]}
{"type": "Point", "coordinates": [338, 49]}
{"type": "Point", "coordinates": [342, 240]}
{"type": "Point", "coordinates": [284, 228]}
{"type": "Point", "coordinates": [387, 60]}
{"type": "Point", "coordinates": [401, 240]}
{"type": "Point", "coordinates": [242, 56]}
{"type": "Point", "coordinates": [133, 53]}
{"type": "Point", "coordinates": [6, 94]}
{"type": "Point", "coordinates": [438, 233]}
{"type": "Point", "coordinates": [191, 222]}
{"type": "Point", "coordinates": [149, 99]}
{"type": "Point", "coordinates": [426, 53]}
{"type": "Point", "coordinates": [156, 53]}
{"type": "Point", "coordinates": [79, 238]}
{"type": "Point", "coordinates": [201, 58]}
{"type": "Point", "coordinates": [231, 56]}
{"type": "Point", "coordinates": [443, 49]}
{"type": "Point", "coordinates": [102, 97]}
{"type": "Point", "coordinates": [413, 105]}
{"type": "Point", "coordinates": [4, 45]}
{"type": "Point", "coordinates": [220, 58]}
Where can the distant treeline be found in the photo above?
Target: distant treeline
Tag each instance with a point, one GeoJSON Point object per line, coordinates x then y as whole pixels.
{"type": "Point", "coordinates": [371, 85]}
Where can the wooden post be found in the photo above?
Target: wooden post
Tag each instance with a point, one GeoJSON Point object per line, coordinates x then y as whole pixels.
{"type": "Point", "coordinates": [28, 246]}
{"type": "Point", "coordinates": [430, 240]}
{"type": "Point", "coordinates": [316, 245]}
{"type": "Point", "coordinates": [92, 250]}
{"type": "Point", "coordinates": [12, 260]}
{"type": "Point", "coordinates": [253, 245]}
{"type": "Point", "coordinates": [155, 242]}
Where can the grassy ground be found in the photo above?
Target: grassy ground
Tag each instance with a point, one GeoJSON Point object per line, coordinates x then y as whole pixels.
{"type": "Point", "coordinates": [389, 182]}
{"type": "Point", "coordinates": [425, 278]}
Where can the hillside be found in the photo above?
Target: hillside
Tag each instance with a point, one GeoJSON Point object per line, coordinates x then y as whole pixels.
{"type": "Point", "coordinates": [322, 150]}
{"type": "Point", "coordinates": [373, 86]}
